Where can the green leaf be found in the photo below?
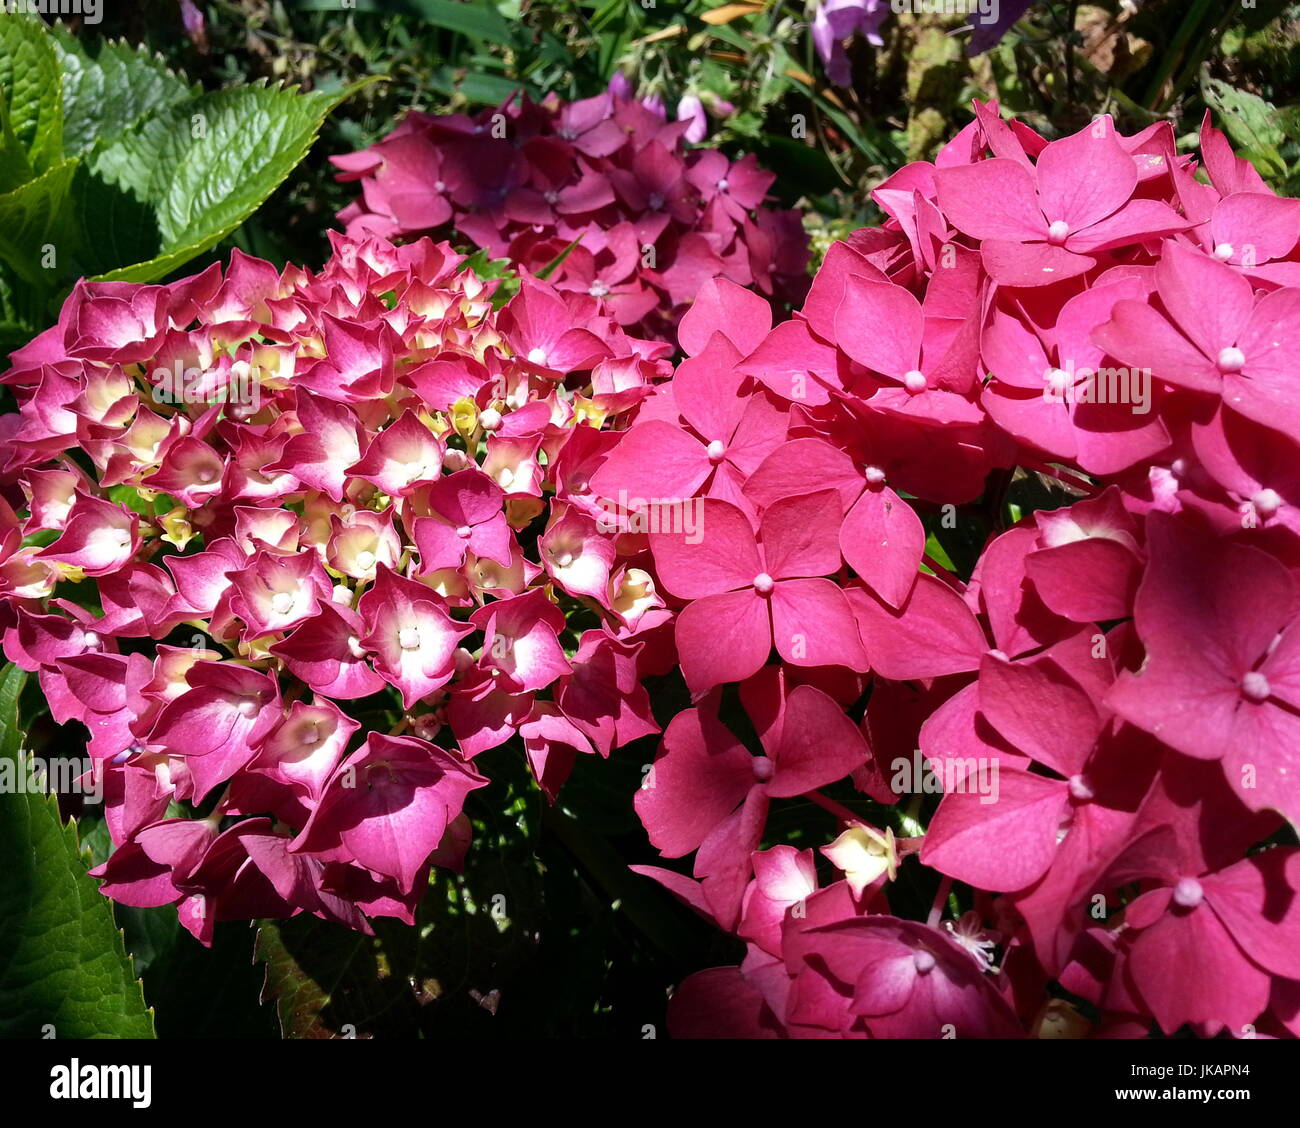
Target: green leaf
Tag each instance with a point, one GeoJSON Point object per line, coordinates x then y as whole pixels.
{"type": "Point", "coordinates": [182, 179]}
{"type": "Point", "coordinates": [324, 978]}
{"type": "Point", "coordinates": [555, 263]}
{"type": "Point", "coordinates": [21, 308]}
{"type": "Point", "coordinates": [329, 982]}
{"type": "Point", "coordinates": [33, 216]}
{"type": "Point", "coordinates": [33, 86]}
{"type": "Point", "coordinates": [201, 992]}
{"type": "Point", "coordinates": [105, 96]}
{"type": "Point", "coordinates": [130, 497]}
{"type": "Point", "coordinates": [15, 169]}
{"type": "Point", "coordinates": [1250, 122]}
{"type": "Point", "coordinates": [878, 149]}
{"type": "Point", "coordinates": [476, 20]}
{"type": "Point", "coordinates": [803, 169]}
{"type": "Point", "coordinates": [62, 961]}
{"type": "Point", "coordinates": [478, 89]}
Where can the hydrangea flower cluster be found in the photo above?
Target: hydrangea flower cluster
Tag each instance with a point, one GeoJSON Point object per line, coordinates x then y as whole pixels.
{"type": "Point", "coordinates": [648, 218]}
{"type": "Point", "coordinates": [1109, 702]}
{"type": "Point", "coordinates": [304, 502]}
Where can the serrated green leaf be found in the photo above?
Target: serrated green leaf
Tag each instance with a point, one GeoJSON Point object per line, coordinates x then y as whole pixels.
{"type": "Point", "coordinates": [496, 934]}
{"type": "Point", "coordinates": [62, 961]}
{"type": "Point", "coordinates": [33, 85]}
{"type": "Point", "coordinates": [104, 96]}
{"type": "Point", "coordinates": [182, 179]}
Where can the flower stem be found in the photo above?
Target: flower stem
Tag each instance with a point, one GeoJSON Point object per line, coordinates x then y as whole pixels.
{"type": "Point", "coordinates": [936, 909]}
{"type": "Point", "coordinates": [839, 810]}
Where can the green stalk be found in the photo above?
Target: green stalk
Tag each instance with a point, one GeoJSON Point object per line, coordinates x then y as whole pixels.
{"type": "Point", "coordinates": [1172, 55]}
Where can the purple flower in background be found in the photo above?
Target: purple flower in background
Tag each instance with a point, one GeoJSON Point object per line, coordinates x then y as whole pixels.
{"type": "Point", "coordinates": [838, 20]}
{"type": "Point", "coordinates": [691, 109]}
{"type": "Point", "coordinates": [655, 104]}
{"type": "Point", "coordinates": [992, 27]}
{"type": "Point", "coordinates": [196, 26]}
{"type": "Point", "coordinates": [620, 86]}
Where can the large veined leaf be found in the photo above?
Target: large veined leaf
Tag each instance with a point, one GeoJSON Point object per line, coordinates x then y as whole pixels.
{"type": "Point", "coordinates": [63, 968]}
{"type": "Point", "coordinates": [106, 95]}
{"type": "Point", "coordinates": [183, 178]}
{"type": "Point", "coordinates": [33, 84]}
{"type": "Point", "coordinates": [114, 167]}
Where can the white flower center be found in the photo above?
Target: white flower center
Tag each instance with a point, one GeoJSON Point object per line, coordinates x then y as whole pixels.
{"type": "Point", "coordinates": [1255, 687]}
{"type": "Point", "coordinates": [1232, 359]}
{"type": "Point", "coordinates": [1188, 893]}
{"type": "Point", "coordinates": [1267, 502]}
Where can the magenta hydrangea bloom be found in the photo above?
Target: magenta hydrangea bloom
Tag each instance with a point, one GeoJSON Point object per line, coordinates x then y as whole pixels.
{"type": "Point", "coordinates": [751, 590]}
{"type": "Point", "coordinates": [336, 507]}
{"type": "Point", "coordinates": [509, 523]}
{"type": "Point", "coordinates": [642, 218]}
{"type": "Point", "coordinates": [1105, 701]}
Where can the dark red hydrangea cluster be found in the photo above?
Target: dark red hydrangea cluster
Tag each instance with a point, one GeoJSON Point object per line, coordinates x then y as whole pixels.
{"type": "Point", "coordinates": [649, 218]}
{"type": "Point", "coordinates": [376, 488]}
